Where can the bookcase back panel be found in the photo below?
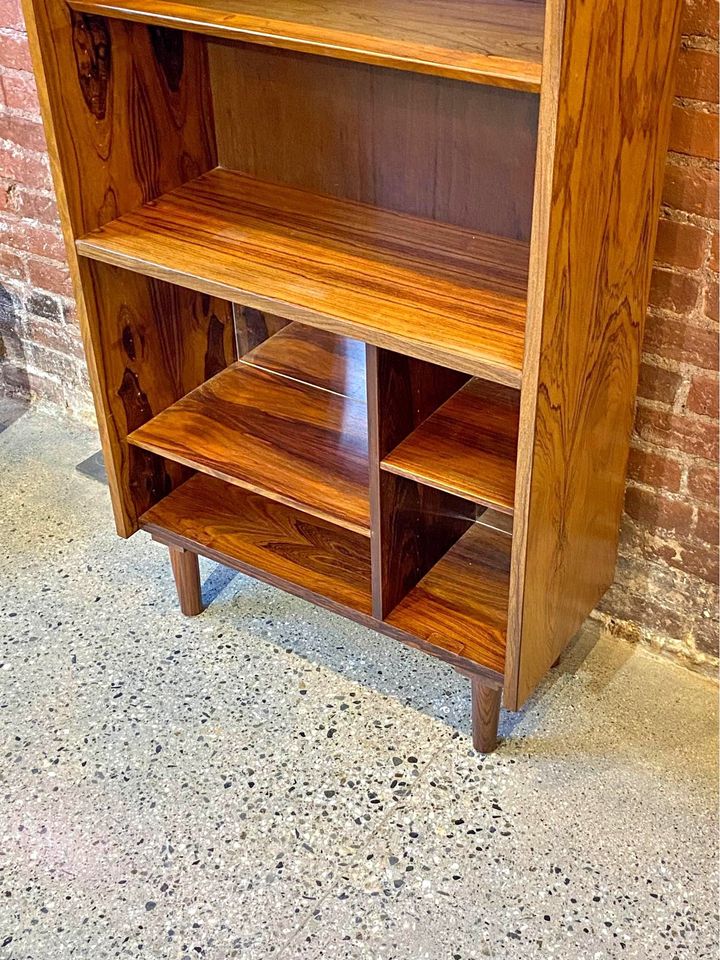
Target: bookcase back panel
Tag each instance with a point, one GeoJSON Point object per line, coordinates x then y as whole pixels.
{"type": "Point", "coordinates": [442, 149]}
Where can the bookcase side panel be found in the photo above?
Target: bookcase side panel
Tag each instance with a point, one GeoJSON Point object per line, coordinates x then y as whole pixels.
{"type": "Point", "coordinates": [606, 125]}
{"type": "Point", "coordinates": [128, 115]}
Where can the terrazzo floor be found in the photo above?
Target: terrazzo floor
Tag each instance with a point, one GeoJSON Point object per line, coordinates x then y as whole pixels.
{"type": "Point", "coordinates": [269, 781]}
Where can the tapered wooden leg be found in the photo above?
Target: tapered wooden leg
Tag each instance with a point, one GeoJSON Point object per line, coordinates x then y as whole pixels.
{"type": "Point", "coordinates": [485, 716]}
{"type": "Point", "coordinates": [186, 570]}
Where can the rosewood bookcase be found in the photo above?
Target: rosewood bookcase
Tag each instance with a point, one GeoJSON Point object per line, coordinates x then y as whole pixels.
{"type": "Point", "coordinates": [362, 286]}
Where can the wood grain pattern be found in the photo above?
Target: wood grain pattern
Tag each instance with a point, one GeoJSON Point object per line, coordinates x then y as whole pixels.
{"type": "Point", "coordinates": [263, 536]}
{"type": "Point", "coordinates": [127, 116]}
{"type": "Point", "coordinates": [461, 605]}
{"type": "Point", "coordinates": [485, 715]}
{"type": "Point", "coordinates": [412, 526]}
{"type": "Point", "coordinates": [597, 220]}
{"type": "Point", "coordinates": [436, 292]}
{"type": "Point", "coordinates": [186, 571]}
{"type": "Point", "coordinates": [315, 357]}
{"type": "Point", "coordinates": [153, 342]}
{"type": "Point", "coordinates": [481, 41]}
{"type": "Point", "coordinates": [468, 447]}
{"type": "Point", "coordinates": [453, 152]}
{"type": "Point", "coordinates": [304, 447]}
{"type": "Point", "coordinates": [297, 553]}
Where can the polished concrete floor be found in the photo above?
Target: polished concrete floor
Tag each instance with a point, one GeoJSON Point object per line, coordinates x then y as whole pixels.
{"type": "Point", "coordinates": [269, 781]}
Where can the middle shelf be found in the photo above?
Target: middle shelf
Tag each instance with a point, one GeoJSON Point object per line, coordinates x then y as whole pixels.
{"type": "Point", "coordinates": [284, 435]}
{"type": "Point", "coordinates": [437, 292]}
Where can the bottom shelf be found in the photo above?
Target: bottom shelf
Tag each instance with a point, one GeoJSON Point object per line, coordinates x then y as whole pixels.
{"type": "Point", "coordinates": [268, 538]}
{"type": "Point", "coordinates": [458, 611]}
{"type": "Point", "coordinates": [461, 605]}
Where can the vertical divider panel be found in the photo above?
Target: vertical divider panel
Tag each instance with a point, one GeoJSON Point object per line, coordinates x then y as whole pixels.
{"type": "Point", "coordinates": [412, 526]}
{"type": "Point", "coordinates": [128, 116]}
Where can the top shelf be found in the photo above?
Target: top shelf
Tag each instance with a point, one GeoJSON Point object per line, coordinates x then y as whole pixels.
{"type": "Point", "coordinates": [494, 42]}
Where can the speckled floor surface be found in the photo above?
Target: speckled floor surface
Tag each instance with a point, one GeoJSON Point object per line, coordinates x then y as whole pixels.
{"type": "Point", "coordinates": [269, 781]}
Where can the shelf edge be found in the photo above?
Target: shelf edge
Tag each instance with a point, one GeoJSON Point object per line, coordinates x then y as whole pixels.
{"type": "Point", "coordinates": [503, 72]}
{"type": "Point", "coordinates": [477, 366]}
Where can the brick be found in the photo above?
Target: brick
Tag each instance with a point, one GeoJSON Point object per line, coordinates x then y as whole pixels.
{"type": "Point", "coordinates": [703, 396]}
{"type": "Point", "coordinates": [654, 510]}
{"type": "Point", "coordinates": [12, 265]}
{"type": "Point", "coordinates": [713, 259]}
{"type": "Point", "coordinates": [45, 306]}
{"type": "Point", "coordinates": [710, 301]}
{"type": "Point", "coordinates": [700, 18]}
{"type": "Point", "coordinates": [703, 482]}
{"type": "Point", "coordinates": [30, 237]}
{"type": "Point", "coordinates": [706, 636]}
{"type": "Point", "coordinates": [691, 188]}
{"type": "Point", "coordinates": [707, 527]}
{"type": "Point", "coordinates": [673, 291]}
{"type": "Point", "coordinates": [694, 132]}
{"type": "Point", "coordinates": [681, 244]}
{"type": "Point", "coordinates": [57, 337]}
{"type": "Point", "coordinates": [656, 383]}
{"type": "Point", "coordinates": [697, 75]}
{"type": "Point", "coordinates": [20, 92]}
{"type": "Point", "coordinates": [26, 167]}
{"type": "Point", "coordinates": [682, 341]}
{"type": "Point", "coordinates": [641, 610]}
{"type": "Point", "coordinates": [11, 15]}
{"type": "Point", "coordinates": [694, 435]}
{"type": "Point", "coordinates": [14, 50]}
{"type": "Point", "coordinates": [14, 380]}
{"type": "Point", "coordinates": [655, 470]}
{"type": "Point", "coordinates": [49, 276]}
{"type": "Point", "coordinates": [28, 134]}
{"type": "Point", "coordinates": [33, 205]}
{"type": "Point", "coordinates": [698, 559]}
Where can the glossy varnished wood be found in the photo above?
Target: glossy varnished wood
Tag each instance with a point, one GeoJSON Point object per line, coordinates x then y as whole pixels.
{"type": "Point", "coordinates": [485, 715]}
{"type": "Point", "coordinates": [468, 447]}
{"type": "Point", "coordinates": [266, 537]}
{"type": "Point", "coordinates": [341, 573]}
{"type": "Point", "coordinates": [299, 445]}
{"type": "Point", "coordinates": [316, 357]}
{"type": "Point", "coordinates": [497, 43]}
{"type": "Point", "coordinates": [186, 571]}
{"type": "Point", "coordinates": [153, 342]}
{"type": "Point", "coordinates": [433, 291]}
{"type": "Point", "coordinates": [412, 526]}
{"type": "Point", "coordinates": [461, 604]}
{"type": "Point", "coordinates": [453, 152]}
{"type": "Point", "coordinates": [127, 115]}
{"type": "Point", "coordinates": [596, 221]}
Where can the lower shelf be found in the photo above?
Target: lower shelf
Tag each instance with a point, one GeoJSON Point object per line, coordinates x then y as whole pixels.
{"type": "Point", "coordinates": [461, 605]}
{"type": "Point", "coordinates": [267, 537]}
{"type": "Point", "coordinates": [458, 612]}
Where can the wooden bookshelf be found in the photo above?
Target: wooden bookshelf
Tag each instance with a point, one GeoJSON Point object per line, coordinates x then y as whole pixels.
{"type": "Point", "coordinates": [498, 43]}
{"type": "Point", "coordinates": [430, 290]}
{"type": "Point", "coordinates": [371, 335]}
{"type": "Point", "coordinates": [468, 447]}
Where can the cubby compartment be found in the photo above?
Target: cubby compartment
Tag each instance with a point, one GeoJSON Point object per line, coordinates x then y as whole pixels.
{"type": "Point", "coordinates": [467, 447]}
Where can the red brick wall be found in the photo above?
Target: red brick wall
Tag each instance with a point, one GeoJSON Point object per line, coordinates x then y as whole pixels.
{"type": "Point", "coordinates": [665, 591]}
